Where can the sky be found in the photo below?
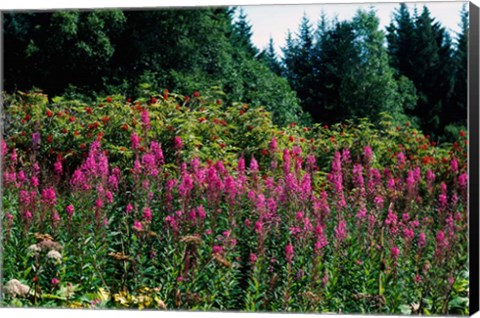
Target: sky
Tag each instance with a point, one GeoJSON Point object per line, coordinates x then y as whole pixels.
{"type": "Point", "coordinates": [275, 21]}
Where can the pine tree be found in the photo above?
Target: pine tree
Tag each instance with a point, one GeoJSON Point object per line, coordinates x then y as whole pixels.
{"type": "Point", "coordinates": [270, 58]}
{"type": "Point", "coordinates": [243, 34]}
{"type": "Point", "coordinates": [457, 112]}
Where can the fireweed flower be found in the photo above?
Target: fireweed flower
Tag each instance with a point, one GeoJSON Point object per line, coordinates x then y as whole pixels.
{"type": "Point", "coordinates": [410, 180]}
{"type": "Point", "coordinates": [186, 185]}
{"type": "Point", "coordinates": [258, 227]}
{"type": "Point", "coordinates": [391, 184]}
{"type": "Point", "coordinates": [253, 165]}
{"type": "Point", "coordinates": [21, 177]}
{"type": "Point", "coordinates": [296, 151]}
{"type": "Point", "coordinates": [147, 214]}
{"type": "Point", "coordinates": [311, 162]}
{"type": "Point", "coordinates": [391, 222]}
{"type": "Point", "coordinates": [129, 208]}
{"type": "Point", "coordinates": [325, 279]}
{"type": "Point", "coordinates": [253, 258]}
{"type": "Point", "coordinates": [55, 281]}
{"type": "Point", "coordinates": [401, 159]}
{"type": "Point", "coordinates": [395, 252]}
{"type": "Point", "coordinates": [286, 161]}
{"type": "Point", "coordinates": [454, 165]}
{"type": "Point", "coordinates": [145, 120]}
{"type": "Point", "coordinates": [201, 212]}
{"type": "Point", "coordinates": [217, 249]}
{"type": "Point", "coordinates": [57, 167]}
{"type": "Point", "coordinates": [442, 243]}
{"type": "Point", "coordinates": [367, 153]}
{"type": "Point", "coordinates": [36, 140]}
{"type": "Point", "coordinates": [220, 168]}
{"type": "Point", "coordinates": [34, 181]}
{"type": "Point", "coordinates": [341, 231]}
{"type": "Point", "coordinates": [13, 156]}
{"type": "Point", "coordinates": [417, 174]}
{"type": "Point", "coordinates": [443, 188]}
{"type": "Point", "coordinates": [306, 187]}
{"type": "Point", "coordinates": [48, 196]}
{"type": "Point", "coordinates": [137, 226]}
{"type": "Point", "coordinates": [430, 176]}
{"type": "Point", "coordinates": [289, 253]}
{"type": "Point", "coordinates": [113, 182]}
{"type": "Point", "coordinates": [135, 140]}
{"type": "Point", "coordinates": [408, 234]}
{"type": "Point", "coordinates": [442, 201]}
{"type": "Point", "coordinates": [346, 158]}
{"type": "Point", "coordinates": [358, 180]}
{"type": "Point", "coordinates": [378, 202]}
{"type": "Point", "coordinates": [69, 209]}
{"type": "Point", "coordinates": [463, 180]}
{"type": "Point", "coordinates": [98, 204]}
{"type": "Point", "coordinates": [4, 148]}
{"type": "Point", "coordinates": [177, 143]}
{"type": "Point", "coordinates": [273, 145]}
{"type": "Point", "coordinates": [362, 213]}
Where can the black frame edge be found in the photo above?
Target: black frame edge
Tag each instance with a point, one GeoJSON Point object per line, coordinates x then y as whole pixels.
{"type": "Point", "coordinates": [473, 123]}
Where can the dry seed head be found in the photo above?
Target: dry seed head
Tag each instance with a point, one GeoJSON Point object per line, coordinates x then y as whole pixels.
{"type": "Point", "coordinates": [49, 245]}
{"type": "Point", "coordinates": [191, 239]}
{"type": "Point", "coordinates": [221, 260]}
{"type": "Point", "coordinates": [43, 237]}
{"type": "Point", "coordinates": [311, 296]}
{"type": "Point", "coordinates": [119, 256]}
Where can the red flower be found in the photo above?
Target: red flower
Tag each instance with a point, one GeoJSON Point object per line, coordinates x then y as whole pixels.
{"type": "Point", "coordinates": [125, 127]}
{"type": "Point", "coordinates": [49, 113]}
{"type": "Point", "coordinates": [187, 98]}
{"type": "Point", "coordinates": [71, 119]}
{"type": "Point", "coordinates": [49, 139]}
{"type": "Point", "coordinates": [88, 110]}
{"type": "Point", "coordinates": [291, 138]}
{"type": "Point", "coordinates": [76, 133]}
{"type": "Point", "coordinates": [196, 94]}
{"type": "Point", "coordinates": [153, 100]}
{"type": "Point", "coordinates": [65, 130]}
{"type": "Point", "coordinates": [241, 112]}
{"type": "Point", "coordinates": [264, 152]}
{"type": "Point", "coordinates": [222, 145]}
{"type": "Point", "coordinates": [109, 99]}
{"type": "Point", "coordinates": [105, 120]}
{"type": "Point", "coordinates": [82, 146]}
{"type": "Point", "coordinates": [462, 133]}
{"type": "Point", "coordinates": [219, 102]}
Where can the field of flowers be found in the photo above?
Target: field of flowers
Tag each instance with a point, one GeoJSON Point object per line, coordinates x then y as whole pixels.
{"type": "Point", "coordinates": [182, 202]}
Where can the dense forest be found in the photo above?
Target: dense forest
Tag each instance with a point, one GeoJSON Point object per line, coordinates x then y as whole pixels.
{"type": "Point", "coordinates": [329, 72]}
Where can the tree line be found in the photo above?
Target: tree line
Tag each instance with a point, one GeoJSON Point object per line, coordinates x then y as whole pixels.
{"type": "Point", "coordinates": [329, 72]}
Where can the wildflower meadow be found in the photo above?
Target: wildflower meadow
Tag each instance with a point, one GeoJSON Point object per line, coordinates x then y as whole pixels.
{"type": "Point", "coordinates": [186, 203]}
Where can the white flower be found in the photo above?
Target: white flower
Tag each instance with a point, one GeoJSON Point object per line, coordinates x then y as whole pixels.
{"type": "Point", "coordinates": [34, 248]}
{"type": "Point", "coordinates": [15, 288]}
{"type": "Point", "coordinates": [55, 255]}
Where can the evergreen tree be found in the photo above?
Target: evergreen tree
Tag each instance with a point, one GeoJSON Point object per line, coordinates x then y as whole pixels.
{"type": "Point", "coordinates": [369, 87]}
{"type": "Point", "coordinates": [299, 64]}
{"type": "Point", "coordinates": [270, 58]}
{"type": "Point", "coordinates": [243, 34]}
{"type": "Point", "coordinates": [457, 112]}
{"type": "Point", "coordinates": [421, 49]}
